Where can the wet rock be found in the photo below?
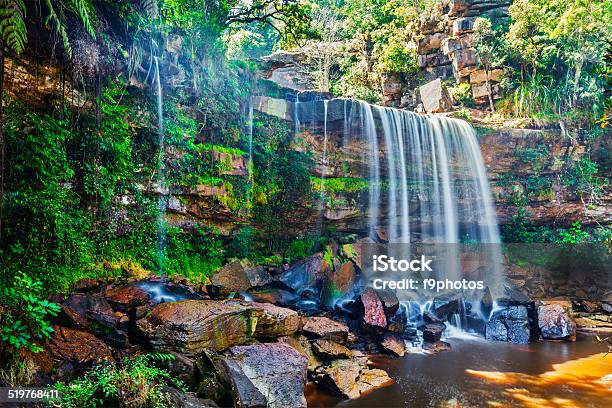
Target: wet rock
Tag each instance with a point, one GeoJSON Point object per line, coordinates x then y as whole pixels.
{"type": "Point", "coordinates": [394, 343]}
{"type": "Point", "coordinates": [240, 276]}
{"type": "Point", "coordinates": [93, 307]}
{"type": "Point", "coordinates": [303, 346]}
{"type": "Point", "coordinates": [509, 324]}
{"type": "Point", "coordinates": [444, 309]}
{"type": "Point", "coordinates": [587, 306]}
{"type": "Point", "coordinates": [429, 317]}
{"type": "Point", "coordinates": [330, 350]}
{"type": "Point", "coordinates": [351, 378]}
{"type": "Point", "coordinates": [432, 332]}
{"type": "Point", "coordinates": [191, 326]}
{"type": "Point", "coordinates": [339, 283]}
{"type": "Point", "coordinates": [78, 348]}
{"type": "Point", "coordinates": [325, 328]}
{"type": "Point", "coordinates": [436, 347]}
{"type": "Point", "coordinates": [69, 318]}
{"type": "Point", "coordinates": [276, 321]}
{"type": "Point", "coordinates": [389, 301]}
{"type": "Point", "coordinates": [267, 375]}
{"type": "Point", "coordinates": [555, 320]}
{"type": "Point", "coordinates": [486, 302]}
{"type": "Point", "coordinates": [272, 295]}
{"type": "Point", "coordinates": [212, 389]}
{"type": "Point", "coordinates": [397, 322]}
{"type": "Point", "coordinates": [435, 97]}
{"type": "Point", "coordinates": [126, 297]}
{"type": "Point", "coordinates": [307, 273]}
{"type": "Point", "coordinates": [372, 310]}
{"type": "Point", "coordinates": [180, 399]}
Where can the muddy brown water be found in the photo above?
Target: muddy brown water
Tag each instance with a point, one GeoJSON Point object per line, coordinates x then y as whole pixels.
{"type": "Point", "coordinates": [479, 373]}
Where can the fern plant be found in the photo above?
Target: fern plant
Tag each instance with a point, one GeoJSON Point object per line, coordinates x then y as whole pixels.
{"type": "Point", "coordinates": [13, 31]}
{"type": "Point", "coordinates": [12, 26]}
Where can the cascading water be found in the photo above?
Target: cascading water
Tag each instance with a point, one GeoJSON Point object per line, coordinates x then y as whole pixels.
{"type": "Point", "coordinates": [427, 184]}
{"type": "Point", "coordinates": [250, 170]}
{"type": "Point", "coordinates": [323, 171]}
{"type": "Point", "coordinates": [161, 181]}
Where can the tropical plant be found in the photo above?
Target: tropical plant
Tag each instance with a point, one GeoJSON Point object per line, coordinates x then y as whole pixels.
{"type": "Point", "coordinates": [23, 319]}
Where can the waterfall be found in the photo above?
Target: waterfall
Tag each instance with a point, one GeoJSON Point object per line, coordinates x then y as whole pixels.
{"type": "Point", "coordinates": [163, 193]}
{"type": "Point", "coordinates": [427, 180]}
{"type": "Point", "coordinates": [250, 169]}
{"type": "Point", "coordinates": [323, 171]}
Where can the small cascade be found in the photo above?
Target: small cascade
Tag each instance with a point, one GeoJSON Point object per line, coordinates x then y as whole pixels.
{"type": "Point", "coordinates": [323, 172]}
{"type": "Point", "coordinates": [251, 168]}
{"type": "Point", "coordinates": [162, 202]}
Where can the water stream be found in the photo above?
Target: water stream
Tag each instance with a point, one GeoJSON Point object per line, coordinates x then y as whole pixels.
{"type": "Point", "coordinates": [162, 202]}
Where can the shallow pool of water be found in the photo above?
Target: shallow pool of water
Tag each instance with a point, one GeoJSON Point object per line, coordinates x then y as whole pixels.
{"type": "Point", "coordinates": [479, 373]}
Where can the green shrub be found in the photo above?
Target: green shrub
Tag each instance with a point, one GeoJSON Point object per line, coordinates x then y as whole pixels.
{"type": "Point", "coordinates": [135, 382]}
{"type": "Point", "coordinates": [23, 322]}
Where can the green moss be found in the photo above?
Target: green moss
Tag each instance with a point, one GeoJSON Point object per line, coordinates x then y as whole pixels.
{"type": "Point", "coordinates": [340, 184]}
{"type": "Point", "coordinates": [234, 151]}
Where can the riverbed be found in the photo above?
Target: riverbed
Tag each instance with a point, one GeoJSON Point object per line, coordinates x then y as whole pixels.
{"type": "Point", "coordinates": [480, 373]}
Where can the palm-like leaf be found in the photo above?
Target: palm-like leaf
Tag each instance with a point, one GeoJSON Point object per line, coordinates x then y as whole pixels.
{"type": "Point", "coordinates": [13, 31]}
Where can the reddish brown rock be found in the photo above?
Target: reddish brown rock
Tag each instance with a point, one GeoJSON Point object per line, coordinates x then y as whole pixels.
{"type": "Point", "coordinates": [373, 313]}
{"type": "Point", "coordinates": [240, 276]}
{"type": "Point", "coordinates": [191, 326]}
{"type": "Point", "coordinates": [126, 297]}
{"type": "Point", "coordinates": [78, 347]}
{"type": "Point", "coordinates": [351, 378]}
{"type": "Point", "coordinates": [330, 350]}
{"type": "Point", "coordinates": [394, 343]}
{"type": "Point", "coordinates": [276, 321]}
{"type": "Point", "coordinates": [325, 328]}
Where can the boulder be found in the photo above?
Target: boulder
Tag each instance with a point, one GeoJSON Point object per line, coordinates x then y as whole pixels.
{"type": "Point", "coordinates": [93, 307]}
{"type": "Point", "coordinates": [330, 350]}
{"type": "Point", "coordinates": [555, 320]}
{"type": "Point", "coordinates": [339, 283]}
{"type": "Point", "coordinates": [389, 301]}
{"type": "Point", "coordinates": [240, 276]}
{"type": "Point", "coordinates": [372, 310]}
{"type": "Point", "coordinates": [307, 273]}
{"type": "Point", "coordinates": [432, 332]}
{"type": "Point", "coordinates": [351, 378]}
{"type": "Point", "coordinates": [77, 347]}
{"type": "Point", "coordinates": [394, 343]}
{"type": "Point", "coordinates": [325, 328]}
{"type": "Point", "coordinates": [85, 285]}
{"type": "Point", "coordinates": [509, 324]}
{"type": "Point", "coordinates": [267, 375]}
{"type": "Point", "coordinates": [276, 321]}
{"type": "Point", "coordinates": [180, 399]}
{"type": "Point", "coordinates": [126, 297]}
{"type": "Point", "coordinates": [436, 347]}
{"type": "Point", "coordinates": [191, 326]}
{"type": "Point", "coordinates": [397, 322]}
{"type": "Point", "coordinates": [435, 97]}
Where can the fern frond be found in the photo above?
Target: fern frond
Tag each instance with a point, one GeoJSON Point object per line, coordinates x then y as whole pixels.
{"type": "Point", "coordinates": [85, 11]}
{"type": "Point", "coordinates": [150, 7]}
{"type": "Point", "coordinates": [13, 31]}
{"type": "Point", "coordinates": [59, 27]}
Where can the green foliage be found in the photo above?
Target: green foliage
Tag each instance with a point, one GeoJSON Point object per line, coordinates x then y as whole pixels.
{"type": "Point", "coordinates": [461, 93]}
{"type": "Point", "coordinates": [135, 382]}
{"type": "Point", "coordinates": [12, 25]}
{"type": "Point", "coordinates": [23, 317]}
{"type": "Point", "coordinates": [559, 46]}
{"type": "Point", "coordinates": [340, 184]}
{"type": "Point", "coordinates": [583, 177]}
{"type": "Point", "coordinates": [575, 235]}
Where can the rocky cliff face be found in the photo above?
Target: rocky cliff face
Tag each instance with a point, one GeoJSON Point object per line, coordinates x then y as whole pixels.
{"type": "Point", "coordinates": [446, 50]}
